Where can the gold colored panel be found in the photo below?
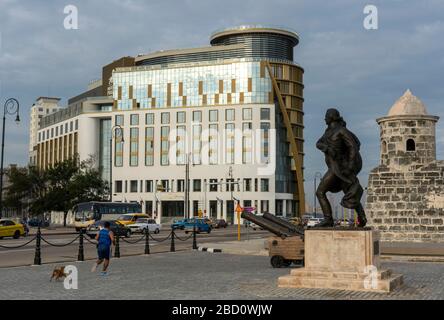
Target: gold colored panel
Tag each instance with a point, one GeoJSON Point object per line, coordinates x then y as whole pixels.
{"type": "Point", "coordinates": [216, 99]}
{"type": "Point", "coordinates": [184, 100]}
{"type": "Point", "coordinates": [250, 84]}
{"type": "Point", "coordinates": [262, 69]}
{"type": "Point", "coordinates": [200, 87]}
{"type": "Point", "coordinates": [180, 89]}
{"type": "Point", "coordinates": [130, 92]}
{"type": "Point", "coordinates": [295, 145]}
{"type": "Point", "coordinates": [169, 95]}
{"type": "Point", "coordinates": [204, 99]}
{"type": "Point", "coordinates": [153, 102]}
{"type": "Point", "coordinates": [241, 97]}
{"type": "Point", "coordinates": [221, 86]}
{"type": "Point", "coordinates": [119, 93]}
{"type": "Point", "coordinates": [229, 98]}
{"type": "Point", "coordinates": [233, 85]}
{"type": "Point", "coordinates": [150, 90]}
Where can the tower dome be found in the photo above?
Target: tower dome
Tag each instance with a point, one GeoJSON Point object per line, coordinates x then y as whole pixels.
{"type": "Point", "coordinates": [408, 136]}
{"type": "Point", "coordinates": [408, 104]}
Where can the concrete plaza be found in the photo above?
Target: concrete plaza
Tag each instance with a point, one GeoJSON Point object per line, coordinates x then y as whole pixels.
{"type": "Point", "coordinates": [202, 276]}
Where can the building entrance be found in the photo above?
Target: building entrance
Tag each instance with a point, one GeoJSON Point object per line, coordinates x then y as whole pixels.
{"type": "Point", "coordinates": [213, 209]}
{"type": "Point", "coordinates": [172, 210]}
{"type": "Point", "coordinates": [230, 211]}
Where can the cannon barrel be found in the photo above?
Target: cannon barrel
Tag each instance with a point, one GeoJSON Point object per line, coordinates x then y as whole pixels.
{"type": "Point", "coordinates": [266, 224]}
{"type": "Point", "coordinates": [285, 224]}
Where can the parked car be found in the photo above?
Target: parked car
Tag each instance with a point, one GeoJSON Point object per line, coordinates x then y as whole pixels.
{"type": "Point", "coordinates": [35, 222]}
{"type": "Point", "coordinates": [116, 227]}
{"type": "Point", "coordinates": [198, 223]}
{"type": "Point", "coordinates": [220, 223]}
{"type": "Point", "coordinates": [9, 228]}
{"type": "Point", "coordinates": [130, 218]}
{"type": "Point", "coordinates": [313, 222]}
{"type": "Point", "coordinates": [142, 224]}
{"type": "Point", "coordinates": [179, 224]}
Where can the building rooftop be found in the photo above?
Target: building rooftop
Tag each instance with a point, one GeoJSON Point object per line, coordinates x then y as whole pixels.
{"type": "Point", "coordinates": [48, 98]}
{"type": "Point", "coordinates": [256, 28]}
{"type": "Point", "coordinates": [408, 104]}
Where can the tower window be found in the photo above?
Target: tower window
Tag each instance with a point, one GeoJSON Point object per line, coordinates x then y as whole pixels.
{"type": "Point", "coordinates": [410, 145]}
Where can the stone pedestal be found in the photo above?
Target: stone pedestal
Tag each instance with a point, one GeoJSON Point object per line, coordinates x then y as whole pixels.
{"type": "Point", "coordinates": [346, 259]}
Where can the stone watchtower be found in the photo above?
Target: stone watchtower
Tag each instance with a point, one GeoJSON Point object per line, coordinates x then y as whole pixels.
{"type": "Point", "coordinates": [407, 134]}
{"type": "Point", "coordinates": [405, 198]}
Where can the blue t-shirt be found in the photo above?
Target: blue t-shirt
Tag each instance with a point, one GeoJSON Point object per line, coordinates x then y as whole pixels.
{"type": "Point", "coordinates": [104, 239]}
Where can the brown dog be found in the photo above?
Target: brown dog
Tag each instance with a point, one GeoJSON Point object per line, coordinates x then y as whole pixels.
{"type": "Point", "coordinates": [58, 273]}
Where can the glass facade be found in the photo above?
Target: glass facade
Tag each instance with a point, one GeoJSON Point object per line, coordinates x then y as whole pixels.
{"type": "Point", "coordinates": [246, 142]}
{"type": "Point", "coordinates": [164, 146]}
{"type": "Point", "coordinates": [206, 84]}
{"type": "Point", "coordinates": [213, 144]}
{"type": "Point", "coordinates": [229, 143]}
{"type": "Point", "coordinates": [104, 155]}
{"type": "Point", "coordinates": [181, 132]}
{"type": "Point", "coordinates": [134, 147]}
{"type": "Point", "coordinates": [149, 146]}
{"type": "Point", "coordinates": [197, 144]}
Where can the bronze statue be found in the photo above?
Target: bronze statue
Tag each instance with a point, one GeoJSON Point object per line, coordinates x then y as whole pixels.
{"type": "Point", "coordinates": [341, 149]}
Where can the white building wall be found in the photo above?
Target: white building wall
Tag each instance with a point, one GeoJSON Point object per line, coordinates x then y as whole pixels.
{"type": "Point", "coordinates": [204, 172]}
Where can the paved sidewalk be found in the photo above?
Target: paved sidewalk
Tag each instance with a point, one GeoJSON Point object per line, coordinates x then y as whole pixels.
{"type": "Point", "coordinates": [255, 247]}
{"type": "Point", "coordinates": [201, 275]}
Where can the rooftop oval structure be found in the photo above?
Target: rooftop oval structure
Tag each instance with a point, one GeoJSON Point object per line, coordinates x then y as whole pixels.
{"type": "Point", "coordinates": [242, 42]}
{"type": "Point", "coordinates": [263, 42]}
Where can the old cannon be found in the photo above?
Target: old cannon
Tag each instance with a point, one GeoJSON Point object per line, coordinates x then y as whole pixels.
{"type": "Point", "coordinates": [287, 246]}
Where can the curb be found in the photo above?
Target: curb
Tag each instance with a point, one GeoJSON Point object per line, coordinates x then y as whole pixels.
{"type": "Point", "coordinates": [212, 250]}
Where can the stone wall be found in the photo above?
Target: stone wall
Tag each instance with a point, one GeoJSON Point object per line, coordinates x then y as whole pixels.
{"type": "Point", "coordinates": [395, 131]}
{"type": "Point", "coordinates": [407, 205]}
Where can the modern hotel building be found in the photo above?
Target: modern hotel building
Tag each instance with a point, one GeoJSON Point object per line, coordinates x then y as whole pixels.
{"type": "Point", "coordinates": [233, 111]}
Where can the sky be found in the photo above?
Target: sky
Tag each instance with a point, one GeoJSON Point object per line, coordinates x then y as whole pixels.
{"type": "Point", "coordinates": [360, 72]}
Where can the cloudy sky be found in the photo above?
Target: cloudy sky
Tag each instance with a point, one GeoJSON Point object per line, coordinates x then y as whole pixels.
{"type": "Point", "coordinates": [361, 72]}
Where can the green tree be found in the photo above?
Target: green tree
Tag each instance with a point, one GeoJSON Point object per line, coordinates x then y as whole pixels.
{"type": "Point", "coordinates": [71, 182]}
{"type": "Point", "coordinates": [58, 188]}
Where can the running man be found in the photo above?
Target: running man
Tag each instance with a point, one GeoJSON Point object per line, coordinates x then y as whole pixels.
{"type": "Point", "coordinates": [105, 238]}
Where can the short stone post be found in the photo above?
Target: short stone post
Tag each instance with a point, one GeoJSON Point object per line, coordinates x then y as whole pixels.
{"type": "Point", "coordinates": [194, 238]}
{"type": "Point", "coordinates": [37, 256]}
{"type": "Point", "coordinates": [147, 241]}
{"type": "Point", "coordinates": [81, 256]}
{"type": "Point", "coordinates": [173, 246]}
{"type": "Point", "coordinates": [117, 249]}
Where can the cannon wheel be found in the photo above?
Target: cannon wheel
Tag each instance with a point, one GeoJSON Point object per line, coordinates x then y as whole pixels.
{"type": "Point", "coordinates": [277, 261]}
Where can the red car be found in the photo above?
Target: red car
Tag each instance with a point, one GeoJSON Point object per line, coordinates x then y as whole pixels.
{"type": "Point", "coordinates": [220, 223]}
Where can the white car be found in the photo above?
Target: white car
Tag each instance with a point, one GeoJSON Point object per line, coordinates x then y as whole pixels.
{"type": "Point", "coordinates": [314, 221]}
{"type": "Point", "coordinates": [142, 224]}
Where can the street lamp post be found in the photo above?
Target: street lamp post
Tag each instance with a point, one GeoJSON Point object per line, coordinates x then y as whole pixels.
{"type": "Point", "coordinates": [317, 175]}
{"type": "Point", "coordinates": [11, 107]}
{"type": "Point", "coordinates": [113, 135]}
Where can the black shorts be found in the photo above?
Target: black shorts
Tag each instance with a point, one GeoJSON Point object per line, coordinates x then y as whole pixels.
{"type": "Point", "coordinates": [103, 252]}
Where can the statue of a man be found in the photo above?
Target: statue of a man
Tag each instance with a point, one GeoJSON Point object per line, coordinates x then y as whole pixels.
{"type": "Point", "coordinates": [341, 149]}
